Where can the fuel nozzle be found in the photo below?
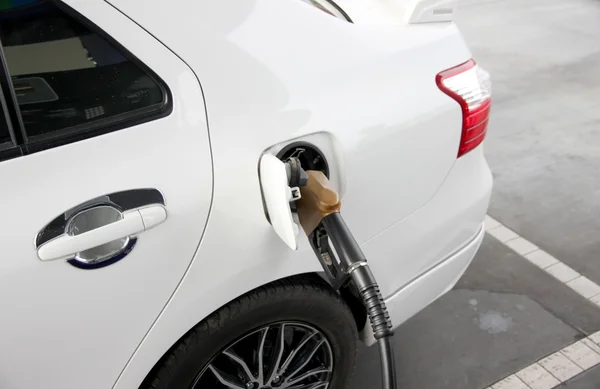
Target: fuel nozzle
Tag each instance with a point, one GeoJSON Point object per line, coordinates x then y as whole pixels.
{"type": "Point", "coordinates": [318, 197]}
{"type": "Point", "coordinates": [318, 209]}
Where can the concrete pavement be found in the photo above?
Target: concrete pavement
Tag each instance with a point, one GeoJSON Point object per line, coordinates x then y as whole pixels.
{"type": "Point", "coordinates": [504, 314]}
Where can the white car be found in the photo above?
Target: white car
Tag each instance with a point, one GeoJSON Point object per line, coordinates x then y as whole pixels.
{"type": "Point", "coordinates": [136, 247]}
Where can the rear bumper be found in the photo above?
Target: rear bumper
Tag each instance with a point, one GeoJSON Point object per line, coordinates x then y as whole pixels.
{"type": "Point", "coordinates": [444, 225]}
{"type": "Point", "coordinates": [427, 288]}
{"type": "Point", "coordinates": [421, 257]}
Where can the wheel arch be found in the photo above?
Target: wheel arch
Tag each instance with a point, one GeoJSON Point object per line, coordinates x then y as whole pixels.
{"type": "Point", "coordinates": [352, 301]}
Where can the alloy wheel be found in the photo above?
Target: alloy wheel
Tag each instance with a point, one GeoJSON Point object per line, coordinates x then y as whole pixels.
{"type": "Point", "coordinates": [285, 355]}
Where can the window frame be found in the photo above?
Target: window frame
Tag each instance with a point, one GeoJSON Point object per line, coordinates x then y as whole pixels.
{"type": "Point", "coordinates": [12, 142]}
{"type": "Point", "coordinates": [9, 149]}
{"type": "Point", "coordinates": [97, 127]}
{"type": "Point", "coordinates": [8, 101]}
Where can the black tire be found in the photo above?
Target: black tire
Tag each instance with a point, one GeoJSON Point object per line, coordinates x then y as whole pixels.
{"type": "Point", "coordinates": [304, 299]}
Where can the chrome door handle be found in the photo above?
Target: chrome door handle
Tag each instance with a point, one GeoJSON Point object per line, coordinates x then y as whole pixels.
{"type": "Point", "coordinates": [103, 230]}
{"type": "Point", "coordinates": [132, 223]}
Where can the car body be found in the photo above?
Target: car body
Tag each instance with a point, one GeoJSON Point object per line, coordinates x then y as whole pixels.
{"type": "Point", "coordinates": [231, 82]}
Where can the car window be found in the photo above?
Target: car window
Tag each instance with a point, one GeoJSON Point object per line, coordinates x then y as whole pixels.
{"type": "Point", "coordinates": [65, 75]}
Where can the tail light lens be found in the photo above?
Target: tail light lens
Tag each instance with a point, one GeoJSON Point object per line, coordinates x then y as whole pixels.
{"type": "Point", "coordinates": [471, 87]}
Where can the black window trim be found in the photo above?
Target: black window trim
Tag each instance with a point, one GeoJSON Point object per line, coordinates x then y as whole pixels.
{"type": "Point", "coordinates": [4, 110]}
{"type": "Point", "coordinates": [9, 149]}
{"type": "Point", "coordinates": [9, 102]}
{"type": "Point", "coordinates": [99, 127]}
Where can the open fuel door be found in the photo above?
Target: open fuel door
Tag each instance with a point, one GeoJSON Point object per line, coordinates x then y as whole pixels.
{"type": "Point", "coordinates": [277, 196]}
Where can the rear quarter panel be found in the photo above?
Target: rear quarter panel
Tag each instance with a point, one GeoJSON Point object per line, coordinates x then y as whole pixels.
{"type": "Point", "coordinates": [274, 70]}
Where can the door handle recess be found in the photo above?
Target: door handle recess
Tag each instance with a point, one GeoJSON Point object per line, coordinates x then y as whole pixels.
{"type": "Point", "coordinates": [132, 222]}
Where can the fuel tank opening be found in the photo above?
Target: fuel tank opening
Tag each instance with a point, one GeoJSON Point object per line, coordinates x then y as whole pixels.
{"type": "Point", "coordinates": [310, 156]}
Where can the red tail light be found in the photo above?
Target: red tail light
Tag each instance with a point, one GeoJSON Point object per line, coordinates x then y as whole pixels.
{"type": "Point", "coordinates": [470, 86]}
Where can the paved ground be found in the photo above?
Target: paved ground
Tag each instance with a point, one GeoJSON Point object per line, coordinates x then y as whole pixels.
{"type": "Point", "coordinates": [544, 150]}
{"type": "Point", "coordinates": [590, 380]}
{"type": "Point", "coordinates": [503, 315]}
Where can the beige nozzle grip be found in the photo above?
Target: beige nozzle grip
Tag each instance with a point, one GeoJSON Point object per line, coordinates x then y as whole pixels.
{"type": "Point", "coordinates": [318, 200]}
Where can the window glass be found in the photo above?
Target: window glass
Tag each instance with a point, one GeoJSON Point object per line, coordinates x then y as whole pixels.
{"type": "Point", "coordinates": [64, 74]}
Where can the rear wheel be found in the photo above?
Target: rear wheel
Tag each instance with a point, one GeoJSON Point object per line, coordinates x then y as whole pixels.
{"type": "Point", "coordinates": [295, 334]}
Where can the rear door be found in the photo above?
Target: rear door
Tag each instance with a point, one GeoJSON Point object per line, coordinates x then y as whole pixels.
{"type": "Point", "coordinates": [106, 187]}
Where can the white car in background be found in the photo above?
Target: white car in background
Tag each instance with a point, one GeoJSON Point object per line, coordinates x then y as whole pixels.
{"type": "Point", "coordinates": [136, 249]}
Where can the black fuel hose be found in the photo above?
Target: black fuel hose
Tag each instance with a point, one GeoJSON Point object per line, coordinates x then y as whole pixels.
{"type": "Point", "coordinates": [353, 259]}
{"type": "Point", "coordinates": [354, 264]}
{"type": "Point", "coordinates": [388, 369]}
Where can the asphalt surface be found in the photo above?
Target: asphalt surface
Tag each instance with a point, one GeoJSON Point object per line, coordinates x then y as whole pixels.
{"type": "Point", "coordinates": [503, 315]}
{"type": "Point", "coordinates": [543, 147]}
{"type": "Point", "coordinates": [589, 380]}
